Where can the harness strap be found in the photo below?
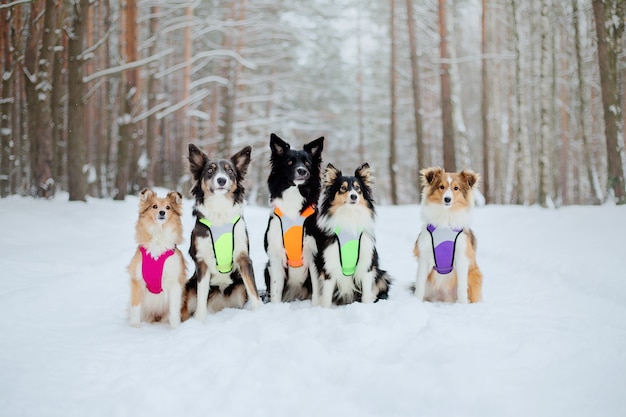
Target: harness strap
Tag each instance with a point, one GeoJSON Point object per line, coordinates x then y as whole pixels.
{"type": "Point", "coordinates": [152, 269]}
{"type": "Point", "coordinates": [293, 235]}
{"type": "Point", "coordinates": [349, 248]}
{"type": "Point", "coordinates": [223, 238]}
{"type": "Point", "coordinates": [444, 246]}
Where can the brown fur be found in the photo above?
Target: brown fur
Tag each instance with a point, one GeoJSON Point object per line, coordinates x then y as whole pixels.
{"type": "Point", "coordinates": [436, 182]}
{"type": "Point", "coordinates": [146, 230]}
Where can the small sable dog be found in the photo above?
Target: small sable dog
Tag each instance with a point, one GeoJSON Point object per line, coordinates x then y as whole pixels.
{"type": "Point", "coordinates": [157, 270]}
{"type": "Point", "coordinates": [446, 246]}
{"type": "Point", "coordinates": [219, 245]}
{"type": "Point", "coordinates": [294, 186]}
{"type": "Point", "coordinates": [347, 257]}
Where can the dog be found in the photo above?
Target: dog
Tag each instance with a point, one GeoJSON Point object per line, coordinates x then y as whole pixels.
{"type": "Point", "coordinates": [347, 258]}
{"type": "Point", "coordinates": [219, 247]}
{"type": "Point", "coordinates": [446, 246]}
{"type": "Point", "coordinates": [157, 270]}
{"type": "Point", "coordinates": [294, 186]}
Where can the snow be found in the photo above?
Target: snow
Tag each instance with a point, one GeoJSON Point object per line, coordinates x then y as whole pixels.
{"type": "Point", "coordinates": [548, 340]}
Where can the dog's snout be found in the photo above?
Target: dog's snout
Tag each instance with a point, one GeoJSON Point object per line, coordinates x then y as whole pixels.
{"type": "Point", "coordinates": [447, 200]}
{"type": "Point", "coordinates": [353, 197]}
{"type": "Point", "coordinates": [162, 213]}
{"type": "Point", "coordinates": [221, 181]}
{"type": "Point", "coordinates": [302, 171]}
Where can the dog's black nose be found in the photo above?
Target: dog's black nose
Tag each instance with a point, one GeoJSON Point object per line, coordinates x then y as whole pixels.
{"type": "Point", "coordinates": [447, 200]}
{"type": "Point", "coordinates": [353, 197]}
{"type": "Point", "coordinates": [162, 213]}
{"type": "Point", "coordinates": [221, 181]}
{"type": "Point", "coordinates": [302, 171]}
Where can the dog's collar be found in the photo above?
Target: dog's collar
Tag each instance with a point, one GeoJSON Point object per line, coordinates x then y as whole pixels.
{"type": "Point", "coordinates": [152, 269]}
{"type": "Point", "coordinates": [444, 244]}
{"type": "Point", "coordinates": [293, 234]}
{"type": "Point", "coordinates": [349, 248]}
{"type": "Point", "coordinates": [223, 239]}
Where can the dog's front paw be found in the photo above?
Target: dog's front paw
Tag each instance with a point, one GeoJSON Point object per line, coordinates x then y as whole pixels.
{"type": "Point", "coordinates": [255, 303]}
{"type": "Point", "coordinates": [462, 299]}
{"type": "Point", "coordinates": [200, 315]}
{"type": "Point", "coordinates": [135, 316]}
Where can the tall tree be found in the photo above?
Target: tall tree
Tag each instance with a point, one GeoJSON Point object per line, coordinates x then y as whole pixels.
{"type": "Point", "coordinates": [447, 121]}
{"type": "Point", "coordinates": [6, 98]}
{"type": "Point", "coordinates": [76, 153]}
{"type": "Point", "coordinates": [422, 161]}
{"type": "Point", "coordinates": [609, 18]}
{"type": "Point", "coordinates": [392, 97]}
{"type": "Point", "coordinates": [545, 131]}
{"type": "Point", "coordinates": [484, 106]}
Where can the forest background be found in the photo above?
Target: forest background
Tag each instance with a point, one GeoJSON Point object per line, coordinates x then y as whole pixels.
{"type": "Point", "coordinates": [101, 98]}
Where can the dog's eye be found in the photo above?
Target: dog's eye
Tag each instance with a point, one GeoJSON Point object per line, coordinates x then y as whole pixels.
{"type": "Point", "coordinates": [167, 207]}
{"type": "Point", "coordinates": [307, 164]}
{"type": "Point", "coordinates": [357, 188]}
{"type": "Point", "coordinates": [442, 187]}
{"type": "Point", "coordinates": [290, 162]}
{"type": "Point", "coordinates": [209, 171]}
{"type": "Point", "coordinates": [343, 189]}
{"type": "Point", "coordinates": [456, 188]}
{"type": "Point", "coordinates": [155, 207]}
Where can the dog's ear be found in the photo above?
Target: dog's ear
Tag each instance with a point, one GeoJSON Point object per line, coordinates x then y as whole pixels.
{"type": "Point", "coordinates": [242, 159]}
{"type": "Point", "coordinates": [364, 173]}
{"type": "Point", "coordinates": [145, 199]}
{"type": "Point", "coordinates": [428, 175]}
{"type": "Point", "coordinates": [176, 201]}
{"type": "Point", "coordinates": [315, 147]}
{"type": "Point", "coordinates": [469, 177]}
{"type": "Point", "coordinates": [330, 175]}
{"type": "Point", "coordinates": [278, 146]}
{"type": "Point", "coordinates": [197, 161]}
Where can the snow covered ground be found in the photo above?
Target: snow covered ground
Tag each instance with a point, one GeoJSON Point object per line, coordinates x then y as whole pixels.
{"type": "Point", "coordinates": [548, 340]}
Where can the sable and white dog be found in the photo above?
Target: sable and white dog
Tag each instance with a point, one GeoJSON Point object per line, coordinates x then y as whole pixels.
{"type": "Point", "coordinates": [294, 184]}
{"type": "Point", "coordinates": [219, 247]}
{"type": "Point", "coordinates": [446, 246]}
{"type": "Point", "coordinates": [157, 270]}
{"type": "Point", "coordinates": [347, 259]}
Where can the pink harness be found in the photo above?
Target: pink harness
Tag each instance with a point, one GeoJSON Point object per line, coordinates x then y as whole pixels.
{"type": "Point", "coordinates": [152, 269]}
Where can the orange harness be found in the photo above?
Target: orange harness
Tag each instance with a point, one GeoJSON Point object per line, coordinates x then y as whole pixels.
{"type": "Point", "coordinates": [293, 235]}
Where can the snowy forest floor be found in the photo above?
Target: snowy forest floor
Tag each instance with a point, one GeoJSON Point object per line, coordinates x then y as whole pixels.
{"type": "Point", "coordinates": [549, 339]}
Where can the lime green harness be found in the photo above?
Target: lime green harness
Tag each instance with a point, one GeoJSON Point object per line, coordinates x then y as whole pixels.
{"type": "Point", "coordinates": [349, 246]}
{"type": "Point", "coordinates": [223, 238]}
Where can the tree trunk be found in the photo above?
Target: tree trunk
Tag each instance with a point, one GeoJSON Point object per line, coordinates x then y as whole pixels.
{"type": "Point", "coordinates": [545, 134]}
{"type": "Point", "coordinates": [596, 192]}
{"type": "Point", "coordinates": [449, 153]}
{"type": "Point", "coordinates": [6, 99]}
{"type": "Point", "coordinates": [152, 124]}
{"type": "Point", "coordinates": [422, 161]}
{"type": "Point", "coordinates": [484, 107]}
{"type": "Point", "coordinates": [129, 98]}
{"type": "Point", "coordinates": [392, 86]}
{"type": "Point", "coordinates": [76, 156]}
{"type": "Point", "coordinates": [609, 16]}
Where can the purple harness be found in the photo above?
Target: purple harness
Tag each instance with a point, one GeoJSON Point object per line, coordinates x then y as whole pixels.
{"type": "Point", "coordinates": [444, 243]}
{"type": "Point", "coordinates": [152, 269]}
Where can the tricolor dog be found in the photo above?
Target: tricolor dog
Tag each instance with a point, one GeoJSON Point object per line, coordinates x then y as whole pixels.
{"type": "Point", "coordinates": [294, 184]}
{"type": "Point", "coordinates": [347, 260]}
{"type": "Point", "coordinates": [446, 246]}
{"type": "Point", "coordinates": [219, 247]}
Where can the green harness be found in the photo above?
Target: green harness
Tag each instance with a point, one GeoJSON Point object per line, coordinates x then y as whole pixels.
{"type": "Point", "coordinates": [349, 246]}
{"type": "Point", "coordinates": [223, 238]}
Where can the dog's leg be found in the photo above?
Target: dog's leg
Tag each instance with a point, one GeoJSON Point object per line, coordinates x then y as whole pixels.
{"type": "Point", "coordinates": [204, 284]}
{"type": "Point", "coordinates": [461, 265]}
{"type": "Point", "coordinates": [277, 265]}
{"type": "Point", "coordinates": [176, 293]}
{"type": "Point", "coordinates": [136, 295]}
{"type": "Point", "coordinates": [247, 274]}
{"type": "Point", "coordinates": [424, 252]}
{"type": "Point", "coordinates": [309, 253]}
{"type": "Point", "coordinates": [277, 282]}
{"type": "Point", "coordinates": [367, 277]}
{"type": "Point", "coordinates": [367, 287]}
{"type": "Point", "coordinates": [328, 290]}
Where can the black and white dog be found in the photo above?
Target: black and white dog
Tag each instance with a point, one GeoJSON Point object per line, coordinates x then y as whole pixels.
{"type": "Point", "coordinates": [294, 184]}
{"type": "Point", "coordinates": [219, 247]}
{"type": "Point", "coordinates": [347, 260]}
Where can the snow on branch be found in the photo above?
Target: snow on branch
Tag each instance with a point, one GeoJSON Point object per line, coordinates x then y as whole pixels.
{"type": "Point", "coordinates": [209, 54]}
{"type": "Point", "coordinates": [127, 66]}
{"type": "Point", "coordinates": [192, 99]}
{"type": "Point", "coordinates": [15, 3]}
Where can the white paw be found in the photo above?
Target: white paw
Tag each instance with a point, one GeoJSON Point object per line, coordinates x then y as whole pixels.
{"type": "Point", "coordinates": [255, 303]}
{"type": "Point", "coordinates": [200, 315]}
{"type": "Point", "coordinates": [462, 299]}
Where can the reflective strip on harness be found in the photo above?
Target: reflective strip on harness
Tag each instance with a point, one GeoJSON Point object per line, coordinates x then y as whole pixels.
{"type": "Point", "coordinates": [444, 244]}
{"type": "Point", "coordinates": [223, 238]}
{"type": "Point", "coordinates": [152, 269]}
{"type": "Point", "coordinates": [293, 235]}
{"type": "Point", "coordinates": [349, 246]}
